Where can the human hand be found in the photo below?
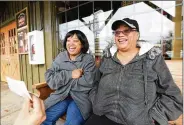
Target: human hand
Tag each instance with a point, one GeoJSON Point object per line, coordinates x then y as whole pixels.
{"type": "Point", "coordinates": [77, 73]}
{"type": "Point", "coordinates": [32, 112]}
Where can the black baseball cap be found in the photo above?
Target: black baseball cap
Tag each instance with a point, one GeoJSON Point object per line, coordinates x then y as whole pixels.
{"type": "Point", "coordinates": [127, 21]}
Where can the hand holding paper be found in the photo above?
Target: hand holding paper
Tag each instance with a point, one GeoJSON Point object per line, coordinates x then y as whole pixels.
{"type": "Point", "coordinates": [32, 112]}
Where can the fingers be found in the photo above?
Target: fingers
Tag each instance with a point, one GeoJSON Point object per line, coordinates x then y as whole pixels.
{"type": "Point", "coordinates": [39, 108]}
{"type": "Point", "coordinates": [43, 111]}
{"type": "Point", "coordinates": [36, 103]}
{"type": "Point", "coordinates": [77, 73]}
{"type": "Point", "coordinates": [42, 105]}
{"type": "Point", "coordinates": [26, 106]}
{"type": "Point", "coordinates": [78, 70]}
{"type": "Point", "coordinates": [81, 70]}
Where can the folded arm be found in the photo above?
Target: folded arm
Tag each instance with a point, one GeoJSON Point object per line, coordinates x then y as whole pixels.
{"type": "Point", "coordinates": [56, 76]}
{"type": "Point", "coordinates": [85, 82]}
{"type": "Point", "coordinates": [169, 105]}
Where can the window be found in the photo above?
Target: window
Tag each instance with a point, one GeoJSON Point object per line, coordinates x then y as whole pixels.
{"type": "Point", "coordinates": [160, 22]}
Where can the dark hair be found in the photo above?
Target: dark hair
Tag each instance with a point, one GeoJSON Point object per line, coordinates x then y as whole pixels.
{"type": "Point", "coordinates": [81, 36]}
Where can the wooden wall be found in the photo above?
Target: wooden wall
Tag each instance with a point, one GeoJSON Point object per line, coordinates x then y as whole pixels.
{"type": "Point", "coordinates": [9, 9]}
{"type": "Point", "coordinates": [42, 16]}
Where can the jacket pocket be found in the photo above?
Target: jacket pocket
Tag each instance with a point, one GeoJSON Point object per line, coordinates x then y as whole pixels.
{"type": "Point", "coordinates": [158, 117]}
{"type": "Point", "coordinates": [151, 121]}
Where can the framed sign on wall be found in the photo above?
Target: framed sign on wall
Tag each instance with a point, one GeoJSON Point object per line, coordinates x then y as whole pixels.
{"type": "Point", "coordinates": [22, 30]}
{"type": "Point", "coordinates": [22, 41]}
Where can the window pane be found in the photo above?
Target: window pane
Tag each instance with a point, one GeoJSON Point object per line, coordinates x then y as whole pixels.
{"type": "Point", "coordinates": [72, 14]}
{"type": "Point", "coordinates": [102, 5]}
{"type": "Point", "coordinates": [62, 18]}
{"type": "Point", "coordinates": [85, 10]}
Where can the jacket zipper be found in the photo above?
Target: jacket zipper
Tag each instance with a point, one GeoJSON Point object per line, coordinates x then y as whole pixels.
{"type": "Point", "coordinates": [116, 102]}
{"type": "Point", "coordinates": [117, 87]}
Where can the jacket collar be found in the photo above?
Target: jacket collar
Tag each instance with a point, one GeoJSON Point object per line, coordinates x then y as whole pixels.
{"type": "Point", "coordinates": [144, 48]}
{"type": "Point", "coordinates": [67, 59]}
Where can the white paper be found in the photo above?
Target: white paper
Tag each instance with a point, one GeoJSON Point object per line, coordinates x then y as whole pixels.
{"type": "Point", "coordinates": [18, 87]}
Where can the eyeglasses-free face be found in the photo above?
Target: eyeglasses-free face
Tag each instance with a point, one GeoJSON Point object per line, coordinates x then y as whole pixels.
{"type": "Point", "coordinates": [125, 32]}
{"type": "Point", "coordinates": [73, 46]}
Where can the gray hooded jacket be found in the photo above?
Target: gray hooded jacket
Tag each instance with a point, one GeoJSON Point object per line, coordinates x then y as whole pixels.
{"type": "Point", "coordinates": [137, 93]}
{"type": "Point", "coordinates": [59, 78]}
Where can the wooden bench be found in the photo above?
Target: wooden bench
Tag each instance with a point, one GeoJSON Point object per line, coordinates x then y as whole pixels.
{"type": "Point", "coordinates": [43, 90]}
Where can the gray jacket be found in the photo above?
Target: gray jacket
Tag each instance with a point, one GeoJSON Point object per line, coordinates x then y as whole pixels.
{"type": "Point", "coordinates": [137, 93]}
{"type": "Point", "coordinates": [59, 78]}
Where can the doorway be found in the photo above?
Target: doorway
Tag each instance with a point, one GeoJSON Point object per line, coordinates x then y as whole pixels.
{"type": "Point", "coordinates": [9, 53]}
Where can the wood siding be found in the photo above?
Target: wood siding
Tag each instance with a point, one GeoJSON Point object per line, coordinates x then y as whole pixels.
{"type": "Point", "coordinates": [42, 16]}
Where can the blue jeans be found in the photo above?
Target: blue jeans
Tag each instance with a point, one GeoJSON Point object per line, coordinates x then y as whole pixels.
{"type": "Point", "coordinates": [68, 106]}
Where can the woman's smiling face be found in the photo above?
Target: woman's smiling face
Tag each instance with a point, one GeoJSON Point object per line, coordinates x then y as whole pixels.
{"type": "Point", "coordinates": [73, 45]}
{"type": "Point", "coordinates": [125, 38]}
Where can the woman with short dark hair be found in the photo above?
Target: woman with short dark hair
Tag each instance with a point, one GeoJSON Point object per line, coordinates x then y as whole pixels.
{"type": "Point", "coordinates": [81, 36]}
{"type": "Point", "coordinates": [71, 75]}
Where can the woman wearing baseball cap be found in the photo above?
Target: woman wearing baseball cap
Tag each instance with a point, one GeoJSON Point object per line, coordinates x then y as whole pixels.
{"type": "Point", "coordinates": [135, 86]}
